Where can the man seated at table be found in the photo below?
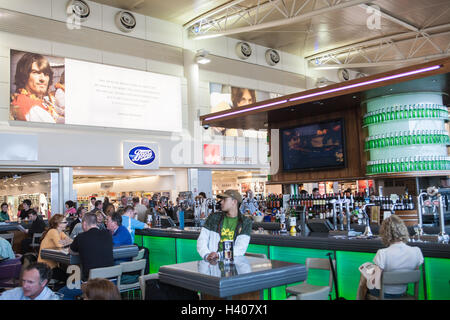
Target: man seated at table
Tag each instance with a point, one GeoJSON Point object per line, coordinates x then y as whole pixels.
{"type": "Point", "coordinates": [228, 224]}
{"type": "Point", "coordinates": [37, 226]}
{"type": "Point", "coordinates": [34, 281]}
{"type": "Point", "coordinates": [120, 234]}
{"type": "Point", "coordinates": [95, 248]}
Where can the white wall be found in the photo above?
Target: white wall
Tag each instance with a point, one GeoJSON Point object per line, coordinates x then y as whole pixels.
{"type": "Point", "coordinates": [155, 46]}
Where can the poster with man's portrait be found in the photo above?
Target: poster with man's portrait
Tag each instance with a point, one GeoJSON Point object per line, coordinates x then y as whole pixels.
{"type": "Point", "coordinates": [225, 97]}
{"type": "Point", "coordinates": [37, 87]}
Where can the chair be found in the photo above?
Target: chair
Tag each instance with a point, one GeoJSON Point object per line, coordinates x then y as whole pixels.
{"type": "Point", "coordinates": [35, 242]}
{"type": "Point", "coordinates": [112, 273]}
{"type": "Point", "coordinates": [140, 255]}
{"type": "Point", "coordinates": [10, 272]}
{"type": "Point", "coordinates": [9, 237]}
{"type": "Point", "coordinates": [397, 278]}
{"type": "Point", "coordinates": [142, 279]}
{"type": "Point", "coordinates": [129, 267]}
{"type": "Point", "coordinates": [256, 255]}
{"type": "Point", "coordinates": [306, 291]}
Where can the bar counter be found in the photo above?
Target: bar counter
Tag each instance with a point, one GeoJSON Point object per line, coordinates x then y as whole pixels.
{"type": "Point", "coordinates": [170, 246]}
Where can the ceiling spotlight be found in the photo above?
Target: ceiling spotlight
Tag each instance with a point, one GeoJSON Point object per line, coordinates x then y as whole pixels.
{"type": "Point", "coordinates": [202, 57]}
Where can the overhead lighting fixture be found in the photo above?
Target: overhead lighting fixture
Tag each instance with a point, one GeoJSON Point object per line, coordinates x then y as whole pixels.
{"type": "Point", "coordinates": [202, 57]}
{"type": "Point", "coordinates": [320, 93]}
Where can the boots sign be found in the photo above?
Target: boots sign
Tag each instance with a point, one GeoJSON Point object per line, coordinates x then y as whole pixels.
{"type": "Point", "coordinates": [140, 155]}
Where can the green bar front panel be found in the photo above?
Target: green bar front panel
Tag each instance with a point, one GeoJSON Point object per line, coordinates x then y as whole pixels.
{"type": "Point", "coordinates": [299, 255]}
{"type": "Point", "coordinates": [187, 250]}
{"type": "Point", "coordinates": [161, 251]}
{"type": "Point", "coordinates": [437, 274]}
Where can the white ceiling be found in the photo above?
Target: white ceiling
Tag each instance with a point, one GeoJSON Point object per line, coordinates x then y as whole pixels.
{"type": "Point", "coordinates": [409, 30]}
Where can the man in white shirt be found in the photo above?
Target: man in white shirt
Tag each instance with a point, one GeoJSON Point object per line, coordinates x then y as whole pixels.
{"type": "Point", "coordinates": [34, 285]}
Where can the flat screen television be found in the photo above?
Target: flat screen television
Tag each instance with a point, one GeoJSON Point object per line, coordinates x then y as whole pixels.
{"type": "Point", "coordinates": [313, 146]}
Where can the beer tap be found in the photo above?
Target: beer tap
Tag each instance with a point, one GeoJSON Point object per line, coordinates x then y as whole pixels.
{"type": "Point", "coordinates": [367, 231]}
{"type": "Point", "coordinates": [341, 213]}
{"type": "Point", "coordinates": [443, 237]}
{"type": "Point", "coordinates": [333, 202]}
{"type": "Point", "coordinates": [348, 212]}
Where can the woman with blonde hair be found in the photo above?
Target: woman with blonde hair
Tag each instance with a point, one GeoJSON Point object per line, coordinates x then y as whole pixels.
{"type": "Point", "coordinates": [397, 256]}
{"type": "Point", "coordinates": [100, 289]}
{"type": "Point", "coordinates": [55, 238]}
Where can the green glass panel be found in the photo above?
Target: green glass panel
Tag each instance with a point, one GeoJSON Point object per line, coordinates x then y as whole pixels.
{"type": "Point", "coordinates": [161, 251]}
{"type": "Point", "coordinates": [299, 255]}
{"type": "Point", "coordinates": [138, 240]}
{"type": "Point", "coordinates": [187, 250]}
{"type": "Point", "coordinates": [257, 248]}
{"type": "Point", "coordinates": [348, 274]}
{"type": "Point", "coordinates": [437, 278]}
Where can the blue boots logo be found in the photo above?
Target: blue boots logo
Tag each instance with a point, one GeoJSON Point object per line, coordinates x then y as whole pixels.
{"type": "Point", "coordinates": [141, 155]}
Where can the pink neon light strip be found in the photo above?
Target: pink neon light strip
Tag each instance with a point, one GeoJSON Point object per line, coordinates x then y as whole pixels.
{"type": "Point", "coordinates": [396, 76]}
{"type": "Point", "coordinates": [246, 110]}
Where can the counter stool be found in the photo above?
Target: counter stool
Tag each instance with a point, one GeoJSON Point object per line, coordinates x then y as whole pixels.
{"type": "Point", "coordinates": [306, 291]}
{"type": "Point", "coordinates": [142, 279]}
{"type": "Point", "coordinates": [35, 242]}
{"type": "Point", "coordinates": [127, 268]}
{"type": "Point", "coordinates": [397, 278]}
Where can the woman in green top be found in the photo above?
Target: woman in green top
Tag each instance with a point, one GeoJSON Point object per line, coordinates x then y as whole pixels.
{"type": "Point", "coordinates": [4, 216]}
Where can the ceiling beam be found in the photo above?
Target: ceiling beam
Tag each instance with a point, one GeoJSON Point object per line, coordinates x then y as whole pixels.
{"type": "Point", "coordinates": [381, 63]}
{"type": "Point", "coordinates": [368, 44]}
{"type": "Point", "coordinates": [280, 22]}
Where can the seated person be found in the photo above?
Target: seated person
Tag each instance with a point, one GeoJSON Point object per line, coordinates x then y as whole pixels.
{"type": "Point", "coordinates": [100, 289]}
{"type": "Point", "coordinates": [55, 238]}
{"type": "Point", "coordinates": [34, 285]}
{"type": "Point", "coordinates": [95, 248]}
{"type": "Point", "coordinates": [6, 251]}
{"type": "Point", "coordinates": [4, 216]}
{"type": "Point", "coordinates": [27, 210]}
{"type": "Point", "coordinates": [81, 211]}
{"type": "Point", "coordinates": [224, 225]}
{"type": "Point", "coordinates": [37, 226]}
{"type": "Point", "coordinates": [397, 256]}
{"type": "Point", "coordinates": [120, 234]}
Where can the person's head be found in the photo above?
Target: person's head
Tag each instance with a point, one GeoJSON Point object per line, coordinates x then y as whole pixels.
{"type": "Point", "coordinates": [32, 215]}
{"type": "Point", "coordinates": [93, 199]}
{"type": "Point", "coordinates": [34, 279]}
{"type": "Point", "coordinates": [392, 230]}
{"type": "Point", "coordinates": [315, 191]}
{"type": "Point", "coordinates": [106, 200]}
{"type": "Point", "coordinates": [81, 211]}
{"type": "Point", "coordinates": [4, 207]}
{"type": "Point", "coordinates": [303, 192]}
{"type": "Point", "coordinates": [124, 201]}
{"type": "Point", "coordinates": [202, 195]}
{"type": "Point", "coordinates": [250, 194]}
{"type": "Point", "coordinates": [135, 201]}
{"type": "Point", "coordinates": [145, 201]}
{"type": "Point", "coordinates": [34, 74]}
{"type": "Point", "coordinates": [109, 209]}
{"type": "Point", "coordinates": [26, 204]}
{"type": "Point", "coordinates": [242, 97]}
{"type": "Point", "coordinates": [129, 211]}
{"type": "Point", "coordinates": [89, 221]}
{"type": "Point", "coordinates": [100, 289]}
{"type": "Point", "coordinates": [62, 78]}
{"type": "Point", "coordinates": [98, 204]}
{"type": "Point", "coordinates": [113, 221]}
{"type": "Point", "coordinates": [231, 200]}
{"type": "Point", "coordinates": [58, 222]}
{"type": "Point", "coordinates": [70, 204]}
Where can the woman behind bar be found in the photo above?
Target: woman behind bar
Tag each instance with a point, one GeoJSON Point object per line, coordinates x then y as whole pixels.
{"type": "Point", "coordinates": [397, 256]}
